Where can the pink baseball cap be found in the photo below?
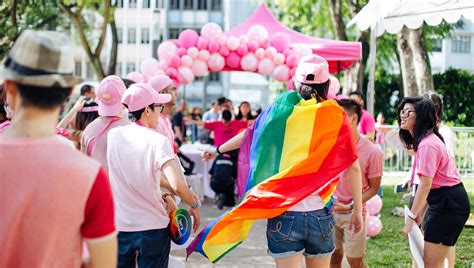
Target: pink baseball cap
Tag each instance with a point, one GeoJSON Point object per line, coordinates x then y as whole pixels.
{"type": "Point", "coordinates": [159, 82]}
{"type": "Point", "coordinates": [110, 94]}
{"type": "Point", "coordinates": [140, 95]}
{"type": "Point", "coordinates": [312, 69]}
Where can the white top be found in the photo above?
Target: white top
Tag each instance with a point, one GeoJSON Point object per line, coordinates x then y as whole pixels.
{"type": "Point", "coordinates": [135, 156]}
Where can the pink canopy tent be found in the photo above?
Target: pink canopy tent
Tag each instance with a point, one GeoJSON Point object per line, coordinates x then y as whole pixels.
{"type": "Point", "coordinates": [340, 54]}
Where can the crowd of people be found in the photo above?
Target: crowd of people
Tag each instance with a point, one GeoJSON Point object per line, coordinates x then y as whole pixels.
{"type": "Point", "coordinates": [108, 172]}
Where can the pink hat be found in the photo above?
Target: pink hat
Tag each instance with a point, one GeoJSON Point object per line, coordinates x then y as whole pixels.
{"type": "Point", "coordinates": [312, 69]}
{"type": "Point", "coordinates": [109, 94]}
{"type": "Point", "coordinates": [159, 82]}
{"type": "Point", "coordinates": [140, 95]}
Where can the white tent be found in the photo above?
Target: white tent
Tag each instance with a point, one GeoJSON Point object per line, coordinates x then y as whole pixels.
{"type": "Point", "coordinates": [390, 16]}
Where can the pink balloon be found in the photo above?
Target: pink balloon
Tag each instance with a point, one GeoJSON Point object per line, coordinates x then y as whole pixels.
{"type": "Point", "coordinates": [211, 31]}
{"type": "Point", "coordinates": [253, 46]}
{"type": "Point", "coordinates": [233, 60]}
{"type": "Point", "coordinates": [249, 62]}
{"type": "Point", "coordinates": [166, 50]}
{"type": "Point", "coordinates": [280, 41]}
{"type": "Point", "coordinates": [171, 72]}
{"type": "Point", "coordinates": [204, 55]}
{"type": "Point", "coordinates": [279, 59]}
{"type": "Point", "coordinates": [334, 87]}
{"type": "Point", "coordinates": [281, 73]}
{"type": "Point", "coordinates": [233, 43]}
{"type": "Point", "coordinates": [193, 52]}
{"type": "Point", "coordinates": [162, 65]}
{"type": "Point", "coordinates": [213, 46]}
{"type": "Point", "coordinates": [260, 53]}
{"type": "Point", "coordinates": [185, 75]}
{"type": "Point", "coordinates": [287, 52]}
{"type": "Point", "coordinates": [158, 72]}
{"type": "Point", "coordinates": [265, 43]}
{"type": "Point", "coordinates": [302, 50]}
{"type": "Point", "coordinates": [244, 39]}
{"type": "Point", "coordinates": [188, 38]}
{"type": "Point", "coordinates": [182, 51]}
{"type": "Point", "coordinates": [202, 43]}
{"type": "Point", "coordinates": [373, 225]}
{"type": "Point", "coordinates": [374, 205]}
{"type": "Point", "coordinates": [224, 51]}
{"type": "Point", "coordinates": [222, 41]}
{"type": "Point", "coordinates": [242, 50]}
{"type": "Point", "coordinates": [186, 61]}
{"type": "Point", "coordinates": [176, 83]}
{"type": "Point", "coordinates": [257, 33]}
{"type": "Point", "coordinates": [266, 67]}
{"type": "Point", "coordinates": [136, 77]}
{"type": "Point", "coordinates": [292, 60]}
{"type": "Point", "coordinates": [199, 68]}
{"type": "Point", "coordinates": [149, 66]}
{"type": "Point", "coordinates": [290, 85]}
{"type": "Point", "coordinates": [175, 61]}
{"type": "Point", "coordinates": [292, 71]}
{"type": "Point", "coordinates": [216, 62]}
{"type": "Point", "coordinates": [271, 52]}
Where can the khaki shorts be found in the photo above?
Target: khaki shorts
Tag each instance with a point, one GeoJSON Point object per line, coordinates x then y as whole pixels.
{"type": "Point", "coordinates": [354, 247]}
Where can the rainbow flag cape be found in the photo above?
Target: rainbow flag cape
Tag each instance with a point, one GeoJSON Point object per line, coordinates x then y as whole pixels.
{"type": "Point", "coordinates": [296, 147]}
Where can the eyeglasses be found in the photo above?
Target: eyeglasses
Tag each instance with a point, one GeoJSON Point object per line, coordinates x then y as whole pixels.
{"type": "Point", "coordinates": [406, 112]}
{"type": "Point", "coordinates": [161, 107]}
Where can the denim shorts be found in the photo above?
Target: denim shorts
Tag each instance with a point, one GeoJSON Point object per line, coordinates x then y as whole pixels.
{"type": "Point", "coordinates": [294, 233]}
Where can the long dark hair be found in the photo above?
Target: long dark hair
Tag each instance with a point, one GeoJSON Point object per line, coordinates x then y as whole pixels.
{"type": "Point", "coordinates": [438, 104]}
{"type": "Point", "coordinates": [425, 122]}
{"type": "Point", "coordinates": [239, 116]}
{"type": "Point", "coordinates": [309, 91]}
{"type": "Point", "coordinates": [87, 114]}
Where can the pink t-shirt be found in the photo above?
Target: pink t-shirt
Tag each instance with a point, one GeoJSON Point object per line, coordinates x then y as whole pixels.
{"type": "Point", "coordinates": [433, 160]}
{"type": "Point", "coordinates": [136, 155]}
{"type": "Point", "coordinates": [99, 151]}
{"type": "Point", "coordinates": [164, 128]}
{"type": "Point", "coordinates": [367, 123]}
{"type": "Point", "coordinates": [371, 166]}
{"type": "Point", "coordinates": [222, 132]}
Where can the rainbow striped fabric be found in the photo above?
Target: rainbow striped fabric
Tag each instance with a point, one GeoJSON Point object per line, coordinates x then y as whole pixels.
{"type": "Point", "coordinates": [296, 147]}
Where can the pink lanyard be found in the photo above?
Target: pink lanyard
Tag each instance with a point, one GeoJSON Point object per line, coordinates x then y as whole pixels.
{"type": "Point", "coordinates": [96, 138]}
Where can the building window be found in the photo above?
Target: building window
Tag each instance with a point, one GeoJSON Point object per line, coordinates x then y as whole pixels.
{"type": "Point", "coordinates": [438, 45]}
{"type": "Point", "coordinates": [145, 36]}
{"type": "Point", "coordinates": [216, 5]}
{"type": "Point", "coordinates": [188, 4]}
{"type": "Point", "coordinates": [174, 4]}
{"type": "Point", "coordinates": [461, 44]}
{"type": "Point", "coordinates": [146, 4]}
{"type": "Point", "coordinates": [214, 77]}
{"type": "Point", "coordinates": [132, 35]}
{"type": "Point", "coordinates": [159, 4]}
{"type": "Point", "coordinates": [132, 3]}
{"type": "Point", "coordinates": [202, 4]}
{"type": "Point", "coordinates": [119, 35]}
{"type": "Point", "coordinates": [89, 70]}
{"type": "Point", "coordinates": [174, 33]}
{"type": "Point", "coordinates": [130, 67]}
{"type": "Point", "coordinates": [78, 69]}
{"type": "Point", "coordinates": [119, 3]}
{"type": "Point", "coordinates": [118, 68]}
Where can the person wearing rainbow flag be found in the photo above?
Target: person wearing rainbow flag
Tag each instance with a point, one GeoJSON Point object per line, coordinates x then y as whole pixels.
{"type": "Point", "coordinates": [292, 158]}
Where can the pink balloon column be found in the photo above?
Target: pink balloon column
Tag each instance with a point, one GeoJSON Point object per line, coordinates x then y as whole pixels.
{"type": "Point", "coordinates": [149, 66]}
{"type": "Point", "coordinates": [188, 38]}
{"type": "Point", "coordinates": [373, 225]}
{"type": "Point", "coordinates": [374, 205]}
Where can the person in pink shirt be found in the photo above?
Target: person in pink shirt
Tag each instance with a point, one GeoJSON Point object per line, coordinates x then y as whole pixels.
{"type": "Point", "coordinates": [94, 137]}
{"type": "Point", "coordinates": [371, 166]}
{"type": "Point", "coordinates": [367, 120]}
{"type": "Point", "coordinates": [137, 157]}
{"type": "Point", "coordinates": [440, 188]}
{"type": "Point", "coordinates": [52, 197]}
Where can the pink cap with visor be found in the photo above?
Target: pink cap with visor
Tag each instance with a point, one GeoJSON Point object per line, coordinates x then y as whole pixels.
{"type": "Point", "coordinates": [312, 69]}
{"type": "Point", "coordinates": [140, 95]}
{"type": "Point", "coordinates": [159, 82]}
{"type": "Point", "coordinates": [110, 94]}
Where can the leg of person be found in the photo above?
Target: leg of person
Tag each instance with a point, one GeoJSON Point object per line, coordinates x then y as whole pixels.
{"type": "Point", "coordinates": [319, 240]}
{"type": "Point", "coordinates": [354, 245]}
{"type": "Point", "coordinates": [452, 257]}
{"type": "Point", "coordinates": [154, 248]}
{"type": "Point", "coordinates": [285, 239]}
{"type": "Point", "coordinates": [126, 250]}
{"type": "Point", "coordinates": [434, 254]}
{"type": "Point", "coordinates": [229, 194]}
{"type": "Point", "coordinates": [338, 255]}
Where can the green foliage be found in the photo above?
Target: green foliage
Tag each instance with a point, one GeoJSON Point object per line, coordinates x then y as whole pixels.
{"type": "Point", "coordinates": [457, 88]}
{"type": "Point", "coordinates": [388, 92]}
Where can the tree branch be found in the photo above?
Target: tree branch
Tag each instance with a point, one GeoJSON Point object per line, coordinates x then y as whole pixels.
{"type": "Point", "coordinates": [13, 14]}
{"type": "Point", "coordinates": [105, 23]}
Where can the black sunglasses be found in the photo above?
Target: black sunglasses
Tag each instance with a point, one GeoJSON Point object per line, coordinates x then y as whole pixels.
{"type": "Point", "coordinates": [161, 107]}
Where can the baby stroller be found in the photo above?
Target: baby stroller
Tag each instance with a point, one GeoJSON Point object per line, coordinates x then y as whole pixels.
{"type": "Point", "coordinates": [223, 174]}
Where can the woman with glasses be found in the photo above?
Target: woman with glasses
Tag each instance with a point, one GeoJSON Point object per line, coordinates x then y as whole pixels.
{"type": "Point", "coordinates": [440, 188]}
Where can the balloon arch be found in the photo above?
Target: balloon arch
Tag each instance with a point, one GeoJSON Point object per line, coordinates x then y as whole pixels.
{"type": "Point", "coordinates": [261, 44]}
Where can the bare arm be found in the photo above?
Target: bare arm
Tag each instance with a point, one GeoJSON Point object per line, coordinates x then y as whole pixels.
{"type": "Point", "coordinates": [355, 223]}
{"type": "Point", "coordinates": [103, 253]}
{"type": "Point", "coordinates": [230, 145]}
{"type": "Point", "coordinates": [72, 113]}
{"type": "Point", "coordinates": [374, 186]}
{"type": "Point", "coordinates": [195, 122]}
{"type": "Point", "coordinates": [178, 132]}
{"type": "Point", "coordinates": [370, 135]}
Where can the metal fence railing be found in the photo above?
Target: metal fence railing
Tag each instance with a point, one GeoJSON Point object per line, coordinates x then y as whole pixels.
{"type": "Point", "coordinates": [397, 159]}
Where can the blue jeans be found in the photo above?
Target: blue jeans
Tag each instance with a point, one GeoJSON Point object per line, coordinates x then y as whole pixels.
{"type": "Point", "coordinates": [149, 248]}
{"type": "Point", "coordinates": [293, 233]}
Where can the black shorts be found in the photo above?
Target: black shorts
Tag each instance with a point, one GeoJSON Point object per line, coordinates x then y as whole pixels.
{"type": "Point", "coordinates": [447, 213]}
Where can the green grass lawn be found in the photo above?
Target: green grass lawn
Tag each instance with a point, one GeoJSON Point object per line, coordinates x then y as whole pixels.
{"type": "Point", "coordinates": [390, 248]}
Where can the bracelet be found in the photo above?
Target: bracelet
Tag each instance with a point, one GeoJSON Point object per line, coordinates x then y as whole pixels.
{"type": "Point", "coordinates": [196, 205]}
{"type": "Point", "coordinates": [411, 215]}
{"type": "Point", "coordinates": [217, 150]}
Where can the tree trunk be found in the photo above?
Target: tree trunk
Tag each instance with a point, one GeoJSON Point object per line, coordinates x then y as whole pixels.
{"type": "Point", "coordinates": [421, 62]}
{"type": "Point", "coordinates": [410, 87]}
{"type": "Point", "coordinates": [114, 49]}
{"type": "Point", "coordinates": [335, 10]}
